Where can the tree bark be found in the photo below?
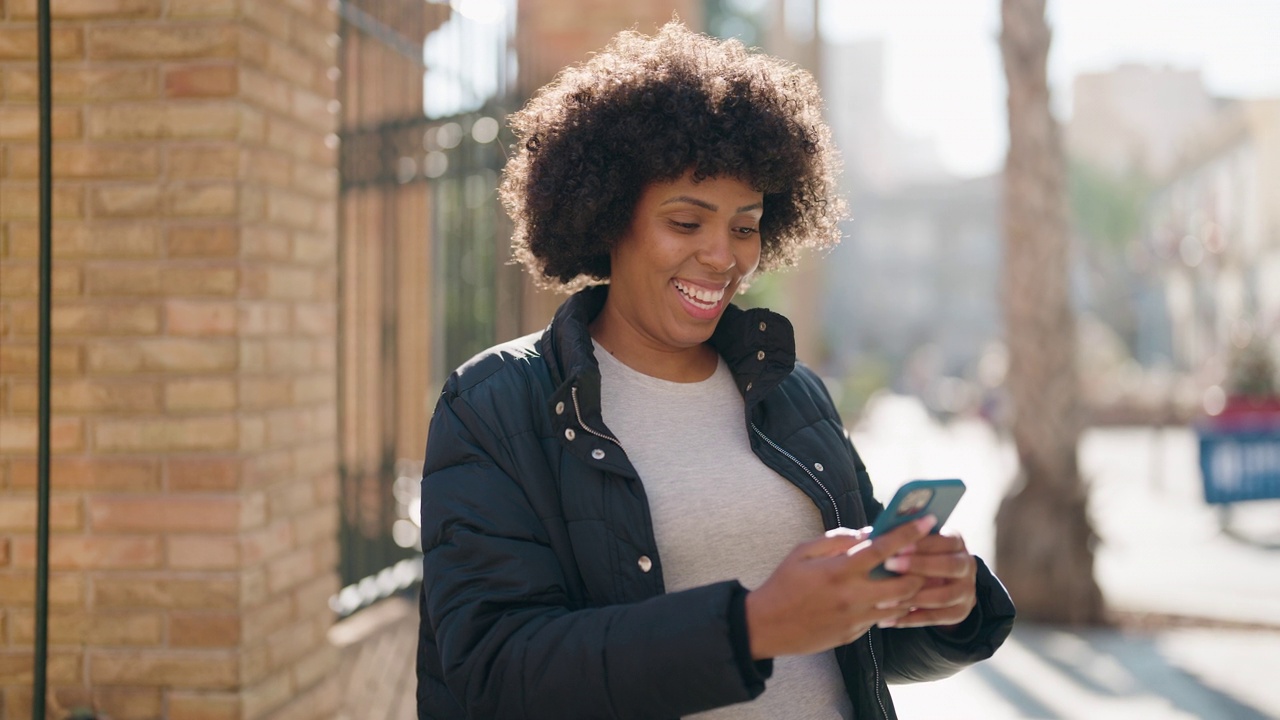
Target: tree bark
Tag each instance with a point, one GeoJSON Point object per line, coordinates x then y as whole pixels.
{"type": "Point", "coordinates": [1044, 542]}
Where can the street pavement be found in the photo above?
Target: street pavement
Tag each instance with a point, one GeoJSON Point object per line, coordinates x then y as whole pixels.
{"type": "Point", "coordinates": [1203, 636]}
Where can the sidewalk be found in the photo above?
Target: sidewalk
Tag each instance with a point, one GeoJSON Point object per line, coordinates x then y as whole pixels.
{"type": "Point", "coordinates": [1161, 552]}
{"type": "Point", "coordinates": [1105, 674]}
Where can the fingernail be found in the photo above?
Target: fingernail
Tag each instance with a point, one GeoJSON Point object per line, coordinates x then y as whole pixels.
{"type": "Point", "coordinates": [897, 564]}
{"type": "Point", "coordinates": [888, 622]}
{"type": "Point", "coordinates": [886, 604]}
{"type": "Point", "coordinates": [926, 523]}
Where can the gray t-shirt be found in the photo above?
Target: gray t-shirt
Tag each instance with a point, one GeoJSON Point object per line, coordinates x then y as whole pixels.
{"type": "Point", "coordinates": [718, 513]}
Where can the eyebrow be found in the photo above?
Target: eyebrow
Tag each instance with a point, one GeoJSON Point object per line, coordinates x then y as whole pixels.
{"type": "Point", "coordinates": [708, 206]}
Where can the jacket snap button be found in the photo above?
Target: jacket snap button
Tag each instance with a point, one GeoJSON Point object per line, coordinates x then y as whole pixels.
{"type": "Point", "coordinates": [597, 454]}
{"type": "Point", "coordinates": [762, 327]}
{"type": "Point", "coordinates": [569, 434]}
{"type": "Point", "coordinates": [760, 355]}
{"type": "Point", "coordinates": [559, 408]}
{"type": "Point", "coordinates": [818, 467]}
{"type": "Point", "coordinates": [749, 387]}
{"type": "Point", "coordinates": [645, 563]}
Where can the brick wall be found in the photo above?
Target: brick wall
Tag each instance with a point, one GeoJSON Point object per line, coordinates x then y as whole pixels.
{"type": "Point", "coordinates": [556, 33]}
{"type": "Point", "coordinates": [194, 488]}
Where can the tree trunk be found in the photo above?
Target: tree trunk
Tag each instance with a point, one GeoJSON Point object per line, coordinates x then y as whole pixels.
{"type": "Point", "coordinates": [1044, 542]}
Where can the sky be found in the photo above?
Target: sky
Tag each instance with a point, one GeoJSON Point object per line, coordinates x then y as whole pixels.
{"type": "Point", "coordinates": [945, 81]}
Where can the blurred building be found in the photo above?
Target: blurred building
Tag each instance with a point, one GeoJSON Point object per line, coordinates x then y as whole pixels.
{"type": "Point", "coordinates": [914, 288]}
{"type": "Point", "coordinates": [1136, 118]}
{"type": "Point", "coordinates": [1214, 228]}
{"type": "Point", "coordinates": [557, 33]}
{"type": "Point", "coordinates": [878, 156]}
{"type": "Point", "coordinates": [1128, 127]}
{"type": "Point", "coordinates": [917, 282]}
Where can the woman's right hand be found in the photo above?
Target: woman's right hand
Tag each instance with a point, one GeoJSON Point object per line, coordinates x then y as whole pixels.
{"type": "Point", "coordinates": [821, 595]}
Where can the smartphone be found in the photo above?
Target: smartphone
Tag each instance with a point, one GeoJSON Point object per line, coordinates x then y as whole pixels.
{"type": "Point", "coordinates": [915, 500]}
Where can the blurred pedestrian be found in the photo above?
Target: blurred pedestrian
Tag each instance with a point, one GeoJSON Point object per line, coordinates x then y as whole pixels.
{"type": "Point", "coordinates": [648, 510]}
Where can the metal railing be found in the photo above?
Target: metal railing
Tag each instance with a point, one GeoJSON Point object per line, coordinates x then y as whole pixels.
{"type": "Point", "coordinates": [423, 244]}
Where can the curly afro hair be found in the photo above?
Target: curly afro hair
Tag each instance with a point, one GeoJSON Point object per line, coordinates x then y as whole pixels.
{"type": "Point", "coordinates": [650, 109]}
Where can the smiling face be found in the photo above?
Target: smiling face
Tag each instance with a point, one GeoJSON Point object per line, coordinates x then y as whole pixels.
{"type": "Point", "coordinates": [689, 247]}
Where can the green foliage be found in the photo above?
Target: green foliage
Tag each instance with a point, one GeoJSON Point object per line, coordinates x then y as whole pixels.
{"type": "Point", "coordinates": [1107, 210]}
{"type": "Point", "coordinates": [869, 375]}
{"type": "Point", "coordinates": [727, 18]}
{"type": "Point", "coordinates": [765, 292]}
{"type": "Point", "coordinates": [1252, 372]}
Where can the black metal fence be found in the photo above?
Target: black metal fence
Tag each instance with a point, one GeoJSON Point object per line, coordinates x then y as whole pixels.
{"type": "Point", "coordinates": [424, 244]}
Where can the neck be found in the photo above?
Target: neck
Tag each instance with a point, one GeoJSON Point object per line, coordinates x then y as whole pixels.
{"type": "Point", "coordinates": [633, 348]}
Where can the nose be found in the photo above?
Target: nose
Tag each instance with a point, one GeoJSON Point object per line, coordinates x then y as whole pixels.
{"type": "Point", "coordinates": [717, 252]}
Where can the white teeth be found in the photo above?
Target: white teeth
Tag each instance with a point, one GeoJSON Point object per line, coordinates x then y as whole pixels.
{"type": "Point", "coordinates": [699, 295]}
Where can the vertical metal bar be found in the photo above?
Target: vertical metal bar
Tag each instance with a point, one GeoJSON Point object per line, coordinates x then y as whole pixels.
{"type": "Point", "coordinates": [46, 348]}
{"type": "Point", "coordinates": [344, 240]}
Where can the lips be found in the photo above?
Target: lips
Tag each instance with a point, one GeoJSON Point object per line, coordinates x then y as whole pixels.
{"type": "Point", "coordinates": [701, 303]}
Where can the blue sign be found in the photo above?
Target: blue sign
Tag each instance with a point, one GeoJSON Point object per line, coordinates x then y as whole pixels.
{"type": "Point", "coordinates": [1240, 465]}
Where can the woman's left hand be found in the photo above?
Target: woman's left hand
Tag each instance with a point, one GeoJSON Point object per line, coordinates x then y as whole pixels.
{"type": "Point", "coordinates": [949, 570]}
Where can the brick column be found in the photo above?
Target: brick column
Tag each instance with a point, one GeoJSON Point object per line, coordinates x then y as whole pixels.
{"type": "Point", "coordinates": [194, 486]}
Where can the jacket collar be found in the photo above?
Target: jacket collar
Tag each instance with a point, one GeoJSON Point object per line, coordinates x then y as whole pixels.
{"type": "Point", "coordinates": [757, 344]}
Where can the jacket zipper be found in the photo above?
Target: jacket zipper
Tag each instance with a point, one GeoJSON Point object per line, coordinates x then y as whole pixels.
{"type": "Point", "coordinates": [578, 411]}
{"type": "Point", "coordinates": [801, 465]}
{"type": "Point", "coordinates": [875, 662]}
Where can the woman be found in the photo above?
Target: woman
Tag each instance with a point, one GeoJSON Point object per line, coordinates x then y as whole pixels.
{"type": "Point", "coordinates": [646, 511]}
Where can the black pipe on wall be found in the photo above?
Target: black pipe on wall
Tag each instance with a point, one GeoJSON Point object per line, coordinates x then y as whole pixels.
{"type": "Point", "coordinates": [46, 346]}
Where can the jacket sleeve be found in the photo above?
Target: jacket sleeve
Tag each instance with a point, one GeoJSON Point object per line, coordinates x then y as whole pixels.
{"type": "Point", "coordinates": [922, 654]}
{"type": "Point", "coordinates": [497, 602]}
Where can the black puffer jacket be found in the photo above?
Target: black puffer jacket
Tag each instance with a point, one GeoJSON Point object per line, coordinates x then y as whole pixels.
{"type": "Point", "coordinates": [543, 593]}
